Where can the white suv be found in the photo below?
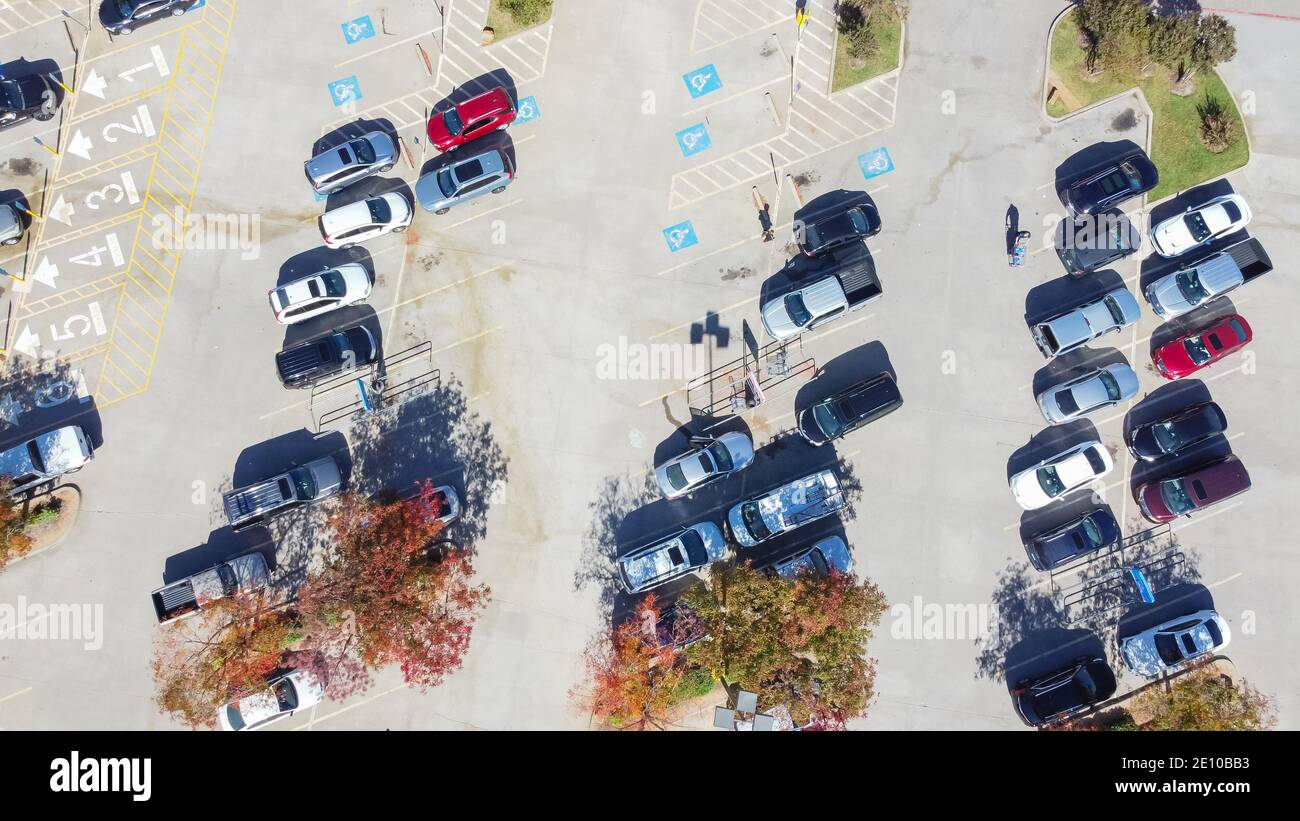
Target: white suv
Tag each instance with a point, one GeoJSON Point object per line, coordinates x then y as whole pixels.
{"type": "Point", "coordinates": [345, 226]}
{"type": "Point", "coordinates": [319, 293]}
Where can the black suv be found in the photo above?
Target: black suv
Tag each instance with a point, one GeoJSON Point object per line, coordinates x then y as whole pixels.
{"type": "Point", "coordinates": [858, 222]}
{"type": "Point", "coordinates": [850, 409]}
{"type": "Point", "coordinates": [26, 98]}
{"type": "Point", "coordinates": [1096, 240]}
{"type": "Point", "coordinates": [125, 16]}
{"type": "Point", "coordinates": [1129, 176]}
{"type": "Point", "coordinates": [1061, 545]}
{"type": "Point", "coordinates": [324, 356]}
{"type": "Point", "coordinates": [1087, 681]}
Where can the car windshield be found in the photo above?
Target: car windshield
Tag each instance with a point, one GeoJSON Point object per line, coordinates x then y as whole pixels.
{"type": "Point", "coordinates": [452, 120]}
{"type": "Point", "coordinates": [303, 483]}
{"type": "Point", "coordinates": [1111, 386]}
{"type": "Point", "coordinates": [1050, 481]}
{"type": "Point", "coordinates": [445, 183]}
{"type": "Point", "coordinates": [1116, 313]}
{"type": "Point", "coordinates": [286, 695]}
{"type": "Point", "coordinates": [812, 238]}
{"type": "Point", "coordinates": [1189, 285]}
{"type": "Point", "coordinates": [676, 477]}
{"type": "Point", "coordinates": [234, 718]}
{"type": "Point", "coordinates": [126, 7]}
{"type": "Point", "coordinates": [1196, 226]}
{"type": "Point", "coordinates": [721, 457]}
{"type": "Point", "coordinates": [1094, 461]}
{"type": "Point", "coordinates": [1167, 437]}
{"type": "Point", "coordinates": [1176, 498]}
{"type": "Point", "coordinates": [380, 213]}
{"type": "Point", "coordinates": [1196, 349]}
{"type": "Point", "coordinates": [1091, 533]}
{"type": "Point", "coordinates": [1167, 647]}
{"type": "Point", "coordinates": [34, 453]}
{"type": "Point", "coordinates": [827, 420]}
{"type": "Point", "coordinates": [1131, 176]}
{"type": "Point", "coordinates": [799, 313]}
{"type": "Point", "coordinates": [1232, 211]}
{"type": "Point", "coordinates": [1066, 402]}
{"type": "Point", "coordinates": [334, 284]}
{"type": "Point", "coordinates": [858, 219]}
{"type": "Point", "coordinates": [9, 95]}
{"type": "Point", "coordinates": [695, 552]}
{"type": "Point", "coordinates": [364, 151]}
{"type": "Point", "coordinates": [753, 519]}
{"type": "Point", "coordinates": [1238, 330]}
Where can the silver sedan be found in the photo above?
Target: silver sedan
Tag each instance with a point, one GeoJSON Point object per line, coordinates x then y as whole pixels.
{"type": "Point", "coordinates": [711, 460]}
{"type": "Point", "coordinates": [1093, 391]}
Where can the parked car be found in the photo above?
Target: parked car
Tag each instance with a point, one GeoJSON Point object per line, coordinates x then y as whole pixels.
{"type": "Point", "coordinates": [851, 224]}
{"type": "Point", "coordinates": [1131, 175]}
{"type": "Point", "coordinates": [260, 502]}
{"type": "Point", "coordinates": [30, 97]}
{"type": "Point", "coordinates": [850, 409]}
{"type": "Point", "coordinates": [1188, 354]}
{"type": "Point", "coordinates": [188, 596]}
{"type": "Point", "coordinates": [1093, 391]}
{"type": "Point", "coordinates": [1056, 476]}
{"type": "Point", "coordinates": [12, 226]}
{"type": "Point", "coordinates": [850, 282]}
{"type": "Point", "coordinates": [830, 555]}
{"type": "Point", "coordinates": [1207, 279]}
{"type": "Point", "coordinates": [678, 626]}
{"type": "Point", "coordinates": [336, 168]}
{"type": "Point", "coordinates": [125, 16]}
{"type": "Point", "coordinates": [707, 462]}
{"type": "Point", "coordinates": [281, 698]}
{"type": "Point", "coordinates": [784, 508]}
{"type": "Point", "coordinates": [464, 180]}
{"type": "Point", "coordinates": [1079, 326]}
{"type": "Point", "coordinates": [471, 119]}
{"type": "Point", "coordinates": [326, 355]}
{"type": "Point", "coordinates": [1174, 496]}
{"type": "Point", "coordinates": [345, 226]}
{"type": "Point", "coordinates": [447, 503]}
{"type": "Point", "coordinates": [663, 560]}
{"type": "Point", "coordinates": [46, 457]}
{"type": "Point", "coordinates": [1072, 690]}
{"type": "Point", "coordinates": [1175, 643]}
{"type": "Point", "coordinates": [1095, 530]}
{"type": "Point", "coordinates": [319, 293]}
{"type": "Point", "coordinates": [1178, 432]}
{"type": "Point", "coordinates": [1094, 241]}
{"type": "Point", "coordinates": [1201, 225]}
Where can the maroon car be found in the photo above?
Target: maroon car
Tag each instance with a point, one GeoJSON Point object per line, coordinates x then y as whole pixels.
{"type": "Point", "coordinates": [471, 119]}
{"type": "Point", "coordinates": [1167, 499]}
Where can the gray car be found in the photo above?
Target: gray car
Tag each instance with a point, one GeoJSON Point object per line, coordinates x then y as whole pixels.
{"type": "Point", "coordinates": [1079, 326]}
{"type": "Point", "coordinates": [11, 224]}
{"type": "Point", "coordinates": [1093, 391]}
{"type": "Point", "coordinates": [663, 560]}
{"type": "Point", "coordinates": [46, 457]}
{"type": "Point", "coordinates": [464, 180]}
{"type": "Point", "coordinates": [258, 503]}
{"type": "Point", "coordinates": [336, 168]}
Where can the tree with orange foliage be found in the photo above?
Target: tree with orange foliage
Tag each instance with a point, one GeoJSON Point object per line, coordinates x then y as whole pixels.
{"type": "Point", "coordinates": [225, 651]}
{"type": "Point", "coordinates": [381, 594]}
{"type": "Point", "coordinates": [14, 543]}
{"type": "Point", "coordinates": [633, 683]}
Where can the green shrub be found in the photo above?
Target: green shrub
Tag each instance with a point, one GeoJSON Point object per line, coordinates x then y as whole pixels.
{"type": "Point", "coordinates": [1124, 724]}
{"type": "Point", "coordinates": [527, 12]}
{"type": "Point", "coordinates": [697, 683]}
{"type": "Point", "coordinates": [43, 516]}
{"type": "Point", "coordinates": [1218, 127]}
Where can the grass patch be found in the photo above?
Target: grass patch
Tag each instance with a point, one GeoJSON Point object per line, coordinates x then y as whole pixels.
{"type": "Point", "coordinates": [501, 21]}
{"type": "Point", "coordinates": [1176, 146]}
{"type": "Point", "coordinates": [884, 61]}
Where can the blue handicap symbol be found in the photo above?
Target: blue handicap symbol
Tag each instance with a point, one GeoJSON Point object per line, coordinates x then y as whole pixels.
{"type": "Point", "coordinates": [693, 140]}
{"type": "Point", "coordinates": [679, 236]}
{"type": "Point", "coordinates": [526, 110]}
{"type": "Point", "coordinates": [345, 91]}
{"type": "Point", "coordinates": [702, 80]}
{"type": "Point", "coordinates": [875, 163]}
{"type": "Point", "coordinates": [354, 31]}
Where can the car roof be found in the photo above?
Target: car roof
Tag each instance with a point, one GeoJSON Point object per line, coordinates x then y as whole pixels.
{"type": "Point", "coordinates": [352, 215]}
{"type": "Point", "coordinates": [1219, 480]}
{"type": "Point", "coordinates": [61, 449]}
{"type": "Point", "coordinates": [489, 102]}
{"type": "Point", "coordinates": [478, 166]}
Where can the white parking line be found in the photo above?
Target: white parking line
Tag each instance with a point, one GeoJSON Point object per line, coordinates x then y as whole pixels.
{"type": "Point", "coordinates": [15, 695]}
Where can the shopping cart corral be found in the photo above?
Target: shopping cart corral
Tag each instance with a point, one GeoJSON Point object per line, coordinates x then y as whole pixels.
{"type": "Point", "coordinates": [1143, 565]}
{"type": "Point", "coordinates": [750, 381]}
{"type": "Point", "coordinates": [396, 378]}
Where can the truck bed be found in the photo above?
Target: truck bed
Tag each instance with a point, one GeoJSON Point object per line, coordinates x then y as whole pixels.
{"type": "Point", "coordinates": [856, 272]}
{"type": "Point", "coordinates": [175, 600]}
{"type": "Point", "coordinates": [1251, 258]}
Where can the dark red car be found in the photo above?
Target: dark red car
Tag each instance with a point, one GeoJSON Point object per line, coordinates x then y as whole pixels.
{"type": "Point", "coordinates": [1175, 496]}
{"type": "Point", "coordinates": [471, 119]}
{"type": "Point", "coordinates": [1187, 355]}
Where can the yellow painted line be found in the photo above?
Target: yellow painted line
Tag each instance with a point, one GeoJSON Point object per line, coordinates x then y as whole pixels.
{"type": "Point", "coordinates": [16, 695]}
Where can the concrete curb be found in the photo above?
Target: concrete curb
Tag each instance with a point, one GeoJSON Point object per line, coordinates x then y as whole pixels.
{"type": "Point", "coordinates": [62, 537]}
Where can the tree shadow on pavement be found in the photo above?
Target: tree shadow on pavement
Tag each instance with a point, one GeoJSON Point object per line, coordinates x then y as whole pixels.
{"type": "Point", "coordinates": [619, 497]}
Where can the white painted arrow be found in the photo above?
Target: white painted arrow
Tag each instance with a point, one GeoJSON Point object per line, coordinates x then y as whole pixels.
{"type": "Point", "coordinates": [46, 272]}
{"type": "Point", "coordinates": [27, 342]}
{"type": "Point", "coordinates": [62, 211]}
{"type": "Point", "coordinates": [80, 145]}
{"type": "Point", "coordinates": [95, 84]}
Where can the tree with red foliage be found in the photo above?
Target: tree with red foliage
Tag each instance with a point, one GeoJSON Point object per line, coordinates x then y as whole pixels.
{"type": "Point", "coordinates": [632, 682]}
{"type": "Point", "coordinates": [380, 594]}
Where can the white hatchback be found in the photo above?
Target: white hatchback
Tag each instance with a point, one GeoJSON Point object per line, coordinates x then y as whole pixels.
{"type": "Point", "coordinates": [320, 293]}
{"type": "Point", "coordinates": [1052, 478]}
{"type": "Point", "coordinates": [345, 226]}
{"type": "Point", "coordinates": [1201, 225]}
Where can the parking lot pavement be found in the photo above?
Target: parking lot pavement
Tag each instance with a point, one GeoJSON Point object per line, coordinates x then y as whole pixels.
{"type": "Point", "coordinates": [566, 316]}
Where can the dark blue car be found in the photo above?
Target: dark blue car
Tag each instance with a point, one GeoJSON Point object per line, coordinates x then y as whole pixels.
{"type": "Point", "coordinates": [125, 16]}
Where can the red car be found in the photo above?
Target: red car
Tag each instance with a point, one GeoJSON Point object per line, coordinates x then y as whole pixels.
{"type": "Point", "coordinates": [1175, 496]}
{"type": "Point", "coordinates": [471, 119]}
{"type": "Point", "coordinates": [1187, 355]}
